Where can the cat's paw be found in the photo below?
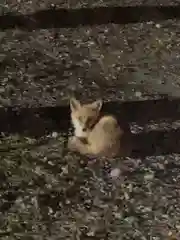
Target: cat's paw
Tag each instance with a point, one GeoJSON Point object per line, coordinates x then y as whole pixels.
{"type": "Point", "coordinates": [72, 142]}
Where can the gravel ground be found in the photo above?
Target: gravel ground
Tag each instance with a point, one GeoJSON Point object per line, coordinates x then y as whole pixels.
{"type": "Point", "coordinates": [140, 60]}
{"type": "Point", "coordinates": [29, 6]}
{"type": "Point", "coordinates": [50, 193]}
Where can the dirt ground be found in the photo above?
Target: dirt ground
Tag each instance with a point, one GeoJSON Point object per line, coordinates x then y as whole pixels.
{"type": "Point", "coordinates": [50, 193]}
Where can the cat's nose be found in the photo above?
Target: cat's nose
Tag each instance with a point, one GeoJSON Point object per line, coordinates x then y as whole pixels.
{"type": "Point", "coordinates": [84, 129]}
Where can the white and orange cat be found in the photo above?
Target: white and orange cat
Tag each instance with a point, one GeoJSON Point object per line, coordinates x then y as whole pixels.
{"type": "Point", "coordinates": [95, 133]}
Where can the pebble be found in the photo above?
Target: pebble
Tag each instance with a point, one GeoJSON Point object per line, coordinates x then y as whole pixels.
{"type": "Point", "coordinates": [54, 134]}
{"type": "Point", "coordinates": [115, 173]}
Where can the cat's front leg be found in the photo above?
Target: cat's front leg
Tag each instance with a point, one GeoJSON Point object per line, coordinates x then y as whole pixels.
{"type": "Point", "coordinates": [78, 145]}
{"type": "Point", "coordinates": [72, 143]}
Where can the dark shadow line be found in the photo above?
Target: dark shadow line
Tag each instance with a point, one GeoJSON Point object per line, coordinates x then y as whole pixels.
{"type": "Point", "coordinates": [144, 111]}
{"type": "Point", "coordinates": [43, 120]}
{"type": "Point", "coordinates": [58, 18]}
{"type": "Point", "coordinates": [156, 143]}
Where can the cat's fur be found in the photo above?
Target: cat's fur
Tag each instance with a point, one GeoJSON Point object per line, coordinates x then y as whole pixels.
{"type": "Point", "coordinates": [96, 134]}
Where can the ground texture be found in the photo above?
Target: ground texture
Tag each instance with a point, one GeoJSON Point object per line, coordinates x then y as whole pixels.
{"type": "Point", "coordinates": [50, 193]}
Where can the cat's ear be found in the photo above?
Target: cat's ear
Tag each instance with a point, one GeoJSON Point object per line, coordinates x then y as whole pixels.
{"type": "Point", "coordinates": [74, 104]}
{"type": "Point", "coordinates": [97, 105]}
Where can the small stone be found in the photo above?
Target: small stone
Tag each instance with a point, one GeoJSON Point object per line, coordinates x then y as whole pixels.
{"type": "Point", "coordinates": [160, 166]}
{"type": "Point", "coordinates": [158, 25]}
{"type": "Point", "coordinates": [91, 234]}
{"type": "Point", "coordinates": [138, 94]}
{"type": "Point", "coordinates": [68, 201]}
{"type": "Point", "coordinates": [2, 90]}
{"type": "Point", "coordinates": [50, 211]}
{"type": "Point", "coordinates": [64, 170]}
{"type": "Point", "coordinates": [149, 176]}
{"type": "Point", "coordinates": [115, 173]}
{"type": "Point", "coordinates": [54, 134]}
{"type": "Point", "coordinates": [126, 195]}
